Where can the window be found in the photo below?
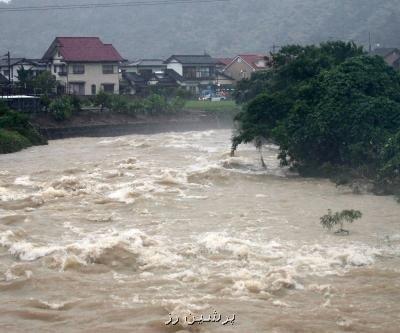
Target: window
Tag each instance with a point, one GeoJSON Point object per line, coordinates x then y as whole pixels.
{"type": "Point", "coordinates": [55, 68]}
{"type": "Point", "coordinates": [78, 69]}
{"type": "Point", "coordinates": [77, 88]}
{"type": "Point", "coordinates": [108, 88]}
{"type": "Point", "coordinates": [203, 72]}
{"type": "Point", "coordinates": [108, 69]}
{"type": "Point", "coordinates": [189, 72]}
{"type": "Point", "coordinates": [93, 89]}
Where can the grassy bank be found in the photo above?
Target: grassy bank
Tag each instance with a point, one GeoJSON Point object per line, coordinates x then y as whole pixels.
{"type": "Point", "coordinates": [222, 106]}
{"type": "Point", "coordinates": [16, 132]}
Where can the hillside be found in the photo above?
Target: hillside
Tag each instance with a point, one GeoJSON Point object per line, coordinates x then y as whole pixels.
{"type": "Point", "coordinates": [218, 28]}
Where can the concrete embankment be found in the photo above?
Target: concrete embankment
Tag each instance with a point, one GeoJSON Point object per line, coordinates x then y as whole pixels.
{"type": "Point", "coordinates": [193, 122]}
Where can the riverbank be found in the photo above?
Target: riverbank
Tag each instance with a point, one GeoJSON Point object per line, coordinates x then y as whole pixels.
{"type": "Point", "coordinates": [89, 124]}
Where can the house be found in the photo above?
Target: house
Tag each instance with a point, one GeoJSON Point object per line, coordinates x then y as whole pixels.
{"type": "Point", "coordinates": [145, 67]}
{"type": "Point", "coordinates": [141, 83]}
{"type": "Point", "coordinates": [390, 55]}
{"type": "Point", "coordinates": [198, 72]}
{"type": "Point", "coordinates": [36, 66]}
{"type": "Point", "coordinates": [84, 65]}
{"type": "Point", "coordinates": [223, 62]}
{"type": "Point", "coordinates": [242, 66]}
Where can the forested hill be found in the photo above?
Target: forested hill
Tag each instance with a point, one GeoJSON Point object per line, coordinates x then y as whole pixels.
{"type": "Point", "coordinates": [222, 29]}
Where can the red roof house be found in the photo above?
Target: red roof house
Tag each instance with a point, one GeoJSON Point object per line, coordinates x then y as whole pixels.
{"type": "Point", "coordinates": [243, 65]}
{"type": "Point", "coordinates": [84, 65]}
{"type": "Point", "coordinates": [83, 49]}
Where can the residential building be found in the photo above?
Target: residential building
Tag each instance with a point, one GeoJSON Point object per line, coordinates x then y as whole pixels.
{"type": "Point", "coordinates": [144, 67]}
{"type": "Point", "coordinates": [84, 65]}
{"type": "Point", "coordinates": [242, 66]}
{"type": "Point", "coordinates": [223, 62]}
{"type": "Point", "coordinates": [390, 55]}
{"type": "Point", "coordinates": [140, 84]}
{"type": "Point", "coordinates": [197, 71]}
{"type": "Point", "coordinates": [36, 66]}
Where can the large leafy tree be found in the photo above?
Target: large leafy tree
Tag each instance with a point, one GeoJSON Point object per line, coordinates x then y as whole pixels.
{"type": "Point", "coordinates": [330, 105]}
{"type": "Point", "coordinates": [281, 87]}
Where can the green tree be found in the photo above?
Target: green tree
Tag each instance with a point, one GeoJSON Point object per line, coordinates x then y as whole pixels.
{"type": "Point", "coordinates": [45, 83]}
{"type": "Point", "coordinates": [330, 220]}
{"type": "Point", "coordinates": [25, 78]}
{"type": "Point", "coordinates": [331, 109]}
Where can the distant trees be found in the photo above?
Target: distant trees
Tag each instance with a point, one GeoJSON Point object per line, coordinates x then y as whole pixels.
{"type": "Point", "coordinates": [330, 108]}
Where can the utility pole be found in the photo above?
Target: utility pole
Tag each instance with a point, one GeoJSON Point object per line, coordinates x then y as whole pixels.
{"type": "Point", "coordinates": [9, 66]}
{"type": "Point", "coordinates": [369, 41]}
{"type": "Point", "coordinates": [274, 48]}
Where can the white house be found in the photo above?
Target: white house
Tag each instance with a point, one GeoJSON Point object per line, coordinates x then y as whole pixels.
{"type": "Point", "coordinates": [84, 65]}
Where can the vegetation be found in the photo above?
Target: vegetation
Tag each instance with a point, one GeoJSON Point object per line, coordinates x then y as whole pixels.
{"type": "Point", "coordinates": [16, 132]}
{"type": "Point", "coordinates": [209, 106]}
{"type": "Point", "coordinates": [44, 83]}
{"type": "Point", "coordinates": [332, 110]}
{"type": "Point", "coordinates": [62, 108]}
{"type": "Point", "coordinates": [154, 104]}
{"type": "Point", "coordinates": [331, 220]}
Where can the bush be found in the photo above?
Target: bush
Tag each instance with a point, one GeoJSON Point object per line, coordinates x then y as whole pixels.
{"type": "Point", "coordinates": [12, 141]}
{"type": "Point", "coordinates": [103, 100]}
{"type": "Point", "coordinates": [176, 104]}
{"type": "Point", "coordinates": [155, 104]}
{"type": "Point", "coordinates": [16, 132]}
{"type": "Point", "coordinates": [331, 220]}
{"type": "Point", "coordinates": [61, 108]}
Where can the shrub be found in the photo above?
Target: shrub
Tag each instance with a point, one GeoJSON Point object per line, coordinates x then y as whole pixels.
{"type": "Point", "coordinates": [103, 100]}
{"type": "Point", "coordinates": [61, 108]}
{"type": "Point", "coordinates": [330, 220]}
{"type": "Point", "coordinates": [155, 104]}
{"type": "Point", "coordinates": [176, 104]}
{"type": "Point", "coordinates": [12, 141]}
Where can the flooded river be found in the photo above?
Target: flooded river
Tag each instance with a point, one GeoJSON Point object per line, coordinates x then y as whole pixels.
{"type": "Point", "coordinates": [129, 234]}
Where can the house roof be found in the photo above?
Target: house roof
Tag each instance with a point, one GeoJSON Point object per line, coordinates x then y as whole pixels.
{"type": "Point", "coordinates": [166, 78]}
{"type": "Point", "coordinates": [384, 52]}
{"type": "Point", "coordinates": [224, 61]}
{"type": "Point", "coordinates": [252, 59]}
{"type": "Point", "coordinates": [133, 78]}
{"type": "Point", "coordinates": [203, 59]}
{"type": "Point", "coordinates": [83, 49]}
{"type": "Point", "coordinates": [16, 61]}
{"type": "Point", "coordinates": [148, 62]}
{"type": "Point", "coordinates": [174, 75]}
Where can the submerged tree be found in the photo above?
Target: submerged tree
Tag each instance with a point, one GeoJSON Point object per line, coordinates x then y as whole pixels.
{"type": "Point", "coordinates": [330, 220]}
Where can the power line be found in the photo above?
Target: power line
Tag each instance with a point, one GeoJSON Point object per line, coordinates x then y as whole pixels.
{"type": "Point", "coordinates": [105, 5]}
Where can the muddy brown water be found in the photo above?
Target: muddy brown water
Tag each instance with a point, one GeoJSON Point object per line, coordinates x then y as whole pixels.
{"type": "Point", "coordinates": [121, 234]}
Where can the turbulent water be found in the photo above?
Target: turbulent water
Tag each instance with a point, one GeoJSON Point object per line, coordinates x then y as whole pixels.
{"type": "Point", "coordinates": [124, 234]}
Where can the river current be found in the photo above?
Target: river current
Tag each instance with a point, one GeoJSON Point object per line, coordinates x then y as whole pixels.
{"type": "Point", "coordinates": [124, 234]}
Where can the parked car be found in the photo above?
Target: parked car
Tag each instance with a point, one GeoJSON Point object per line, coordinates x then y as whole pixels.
{"type": "Point", "coordinates": [218, 98]}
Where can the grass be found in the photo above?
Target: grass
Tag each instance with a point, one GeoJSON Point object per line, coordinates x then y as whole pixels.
{"type": "Point", "coordinates": [209, 106]}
